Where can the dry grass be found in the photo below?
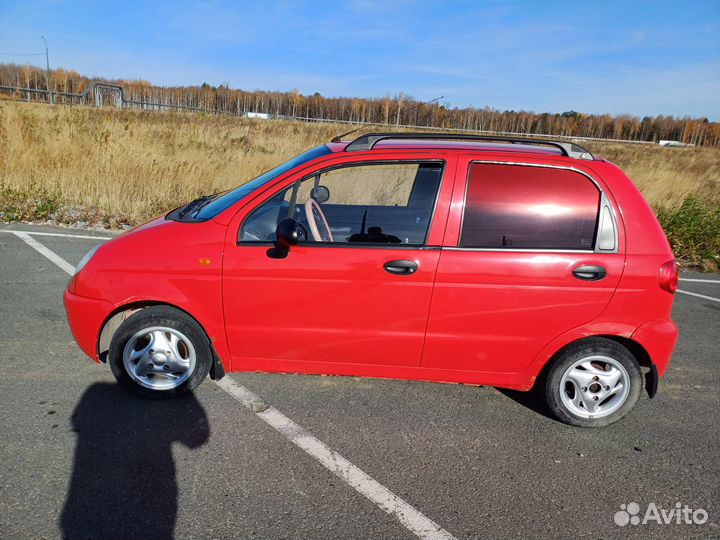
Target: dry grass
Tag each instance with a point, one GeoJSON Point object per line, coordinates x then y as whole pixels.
{"type": "Point", "coordinates": [112, 167]}
{"type": "Point", "coordinates": [667, 176]}
{"type": "Point", "coordinates": [133, 164]}
{"type": "Point", "coordinates": [385, 185]}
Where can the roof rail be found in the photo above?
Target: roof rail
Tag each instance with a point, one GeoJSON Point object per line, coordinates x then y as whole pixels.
{"type": "Point", "coordinates": [369, 140]}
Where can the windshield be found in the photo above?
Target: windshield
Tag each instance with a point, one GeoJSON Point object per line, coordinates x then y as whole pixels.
{"type": "Point", "coordinates": [225, 201]}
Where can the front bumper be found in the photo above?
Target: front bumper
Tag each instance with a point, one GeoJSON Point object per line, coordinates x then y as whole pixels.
{"type": "Point", "coordinates": [85, 317]}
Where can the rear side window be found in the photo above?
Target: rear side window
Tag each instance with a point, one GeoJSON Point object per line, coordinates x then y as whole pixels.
{"type": "Point", "coordinates": [524, 207]}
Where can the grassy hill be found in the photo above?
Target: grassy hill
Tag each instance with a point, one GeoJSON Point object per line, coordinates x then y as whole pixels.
{"type": "Point", "coordinates": [112, 167]}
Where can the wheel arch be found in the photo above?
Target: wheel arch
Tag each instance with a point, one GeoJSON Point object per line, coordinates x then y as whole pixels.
{"type": "Point", "coordinates": [121, 313]}
{"type": "Point", "coordinates": [636, 349]}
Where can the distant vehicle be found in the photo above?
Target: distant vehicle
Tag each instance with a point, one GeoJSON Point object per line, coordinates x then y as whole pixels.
{"type": "Point", "coordinates": [478, 260]}
{"type": "Point", "coordinates": [674, 143]}
{"type": "Point", "coordinates": [260, 115]}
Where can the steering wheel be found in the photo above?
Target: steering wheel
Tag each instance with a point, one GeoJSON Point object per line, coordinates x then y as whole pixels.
{"type": "Point", "coordinates": [315, 218]}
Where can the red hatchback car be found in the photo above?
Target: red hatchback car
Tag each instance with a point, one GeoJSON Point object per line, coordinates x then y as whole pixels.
{"type": "Point", "coordinates": [513, 263]}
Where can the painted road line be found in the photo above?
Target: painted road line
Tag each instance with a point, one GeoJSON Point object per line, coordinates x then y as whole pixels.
{"type": "Point", "coordinates": [411, 518]}
{"type": "Point", "coordinates": [699, 295]}
{"type": "Point", "coordinates": [33, 233]}
{"type": "Point", "coordinates": [48, 254]}
{"type": "Point", "coordinates": [700, 280]}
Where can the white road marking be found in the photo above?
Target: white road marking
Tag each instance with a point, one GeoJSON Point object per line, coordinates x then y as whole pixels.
{"type": "Point", "coordinates": [47, 253]}
{"type": "Point", "coordinates": [411, 518]}
{"type": "Point", "coordinates": [700, 280]}
{"type": "Point", "coordinates": [33, 233]}
{"type": "Point", "coordinates": [699, 295]}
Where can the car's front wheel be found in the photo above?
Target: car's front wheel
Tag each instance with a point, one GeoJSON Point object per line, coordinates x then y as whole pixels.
{"type": "Point", "coordinates": [593, 383]}
{"type": "Point", "coordinates": [160, 352]}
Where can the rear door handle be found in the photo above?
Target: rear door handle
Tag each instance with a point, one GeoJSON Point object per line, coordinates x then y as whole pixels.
{"type": "Point", "coordinates": [402, 267]}
{"type": "Point", "coordinates": [589, 273]}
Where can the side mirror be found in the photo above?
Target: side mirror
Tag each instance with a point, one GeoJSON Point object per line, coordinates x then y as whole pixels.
{"type": "Point", "coordinates": [321, 194]}
{"type": "Point", "coordinates": [287, 233]}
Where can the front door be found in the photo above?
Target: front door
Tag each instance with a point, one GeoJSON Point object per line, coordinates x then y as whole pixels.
{"type": "Point", "coordinates": [355, 291]}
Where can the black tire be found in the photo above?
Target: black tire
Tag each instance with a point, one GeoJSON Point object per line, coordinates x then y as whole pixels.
{"type": "Point", "coordinates": [577, 351]}
{"type": "Point", "coordinates": [164, 316]}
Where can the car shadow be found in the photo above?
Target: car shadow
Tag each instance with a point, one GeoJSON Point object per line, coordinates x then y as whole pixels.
{"type": "Point", "coordinates": [530, 400]}
{"type": "Point", "coordinates": [123, 483]}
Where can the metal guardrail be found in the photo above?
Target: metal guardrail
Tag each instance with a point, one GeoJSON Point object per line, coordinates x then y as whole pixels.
{"type": "Point", "coordinates": [162, 106]}
{"type": "Point", "coordinates": [15, 89]}
{"type": "Point", "coordinates": [99, 89]}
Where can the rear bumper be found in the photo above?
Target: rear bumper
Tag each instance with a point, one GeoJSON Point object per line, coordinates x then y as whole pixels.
{"type": "Point", "coordinates": [658, 338]}
{"type": "Point", "coordinates": [85, 317]}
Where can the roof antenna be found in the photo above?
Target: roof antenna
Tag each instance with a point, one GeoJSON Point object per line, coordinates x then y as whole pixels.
{"type": "Point", "coordinates": [339, 138]}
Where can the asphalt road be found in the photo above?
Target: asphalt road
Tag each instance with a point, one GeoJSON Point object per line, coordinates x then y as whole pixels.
{"type": "Point", "coordinates": [82, 458]}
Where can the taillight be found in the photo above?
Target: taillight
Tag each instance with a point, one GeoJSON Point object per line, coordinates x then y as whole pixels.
{"type": "Point", "coordinates": [668, 276]}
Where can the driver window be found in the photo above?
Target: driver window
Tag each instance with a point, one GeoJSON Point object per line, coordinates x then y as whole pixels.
{"type": "Point", "coordinates": [366, 204]}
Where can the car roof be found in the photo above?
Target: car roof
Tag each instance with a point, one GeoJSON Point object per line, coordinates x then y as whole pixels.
{"type": "Point", "coordinates": [460, 142]}
{"type": "Point", "coordinates": [455, 145]}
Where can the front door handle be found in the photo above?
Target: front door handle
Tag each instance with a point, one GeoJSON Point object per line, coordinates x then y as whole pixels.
{"type": "Point", "coordinates": [589, 273]}
{"type": "Point", "coordinates": [402, 267]}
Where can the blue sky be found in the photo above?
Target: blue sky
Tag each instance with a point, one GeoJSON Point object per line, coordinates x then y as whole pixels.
{"type": "Point", "coordinates": [606, 56]}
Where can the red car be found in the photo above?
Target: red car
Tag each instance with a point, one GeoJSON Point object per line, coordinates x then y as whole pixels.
{"type": "Point", "coordinates": [513, 263]}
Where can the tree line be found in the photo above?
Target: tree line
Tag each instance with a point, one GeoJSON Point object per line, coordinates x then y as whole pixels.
{"type": "Point", "coordinates": [400, 109]}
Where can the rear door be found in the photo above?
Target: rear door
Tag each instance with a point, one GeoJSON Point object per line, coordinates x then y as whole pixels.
{"type": "Point", "coordinates": [532, 253]}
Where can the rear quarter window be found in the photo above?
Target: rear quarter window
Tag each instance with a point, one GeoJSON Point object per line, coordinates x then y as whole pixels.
{"type": "Point", "coordinates": [526, 207]}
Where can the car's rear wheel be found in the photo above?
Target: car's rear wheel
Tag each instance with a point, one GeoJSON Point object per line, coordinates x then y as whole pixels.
{"type": "Point", "coordinates": [160, 352]}
{"type": "Point", "coordinates": [593, 383]}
